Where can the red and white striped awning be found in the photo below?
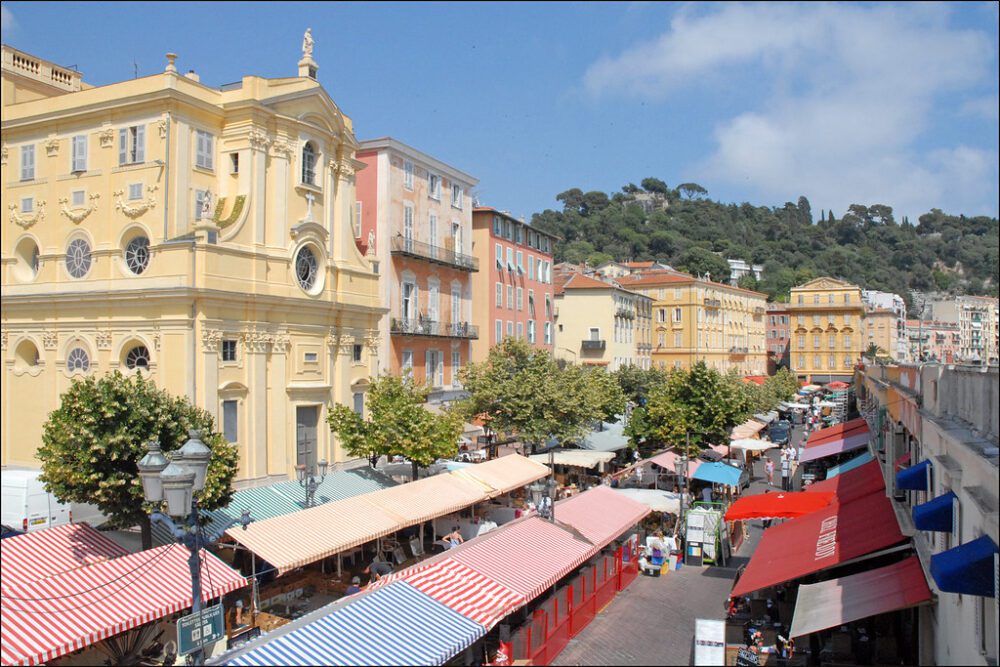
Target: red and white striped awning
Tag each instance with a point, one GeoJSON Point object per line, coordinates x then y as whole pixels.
{"type": "Point", "coordinates": [468, 592]}
{"type": "Point", "coordinates": [526, 557]}
{"type": "Point", "coordinates": [45, 619]}
{"type": "Point", "coordinates": [601, 514]}
{"type": "Point", "coordinates": [43, 553]}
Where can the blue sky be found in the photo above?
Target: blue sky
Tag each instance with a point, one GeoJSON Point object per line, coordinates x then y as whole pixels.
{"type": "Point", "coordinates": [843, 103]}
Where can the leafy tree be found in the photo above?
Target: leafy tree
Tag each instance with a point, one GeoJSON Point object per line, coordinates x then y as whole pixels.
{"type": "Point", "coordinates": [700, 262]}
{"type": "Point", "coordinates": [92, 442]}
{"type": "Point", "coordinates": [748, 281]}
{"type": "Point", "coordinates": [692, 189]}
{"type": "Point", "coordinates": [594, 201]}
{"type": "Point", "coordinates": [631, 189]}
{"type": "Point", "coordinates": [655, 185]}
{"type": "Point", "coordinates": [636, 382]}
{"type": "Point", "coordinates": [699, 404]}
{"type": "Point", "coordinates": [873, 351]}
{"type": "Point", "coordinates": [572, 199]}
{"type": "Point", "coordinates": [398, 424]}
{"type": "Point", "coordinates": [521, 390]}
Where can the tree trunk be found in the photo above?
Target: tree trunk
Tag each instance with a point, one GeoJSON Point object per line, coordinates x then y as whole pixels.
{"type": "Point", "coordinates": [146, 529]}
{"type": "Point", "coordinates": [416, 468]}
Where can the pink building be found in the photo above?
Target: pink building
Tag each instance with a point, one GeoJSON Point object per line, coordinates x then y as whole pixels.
{"type": "Point", "coordinates": [931, 340]}
{"type": "Point", "coordinates": [778, 337]}
{"type": "Point", "coordinates": [512, 293]}
{"type": "Point", "coordinates": [414, 219]}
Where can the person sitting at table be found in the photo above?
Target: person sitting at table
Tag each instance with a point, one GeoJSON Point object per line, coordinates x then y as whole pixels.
{"type": "Point", "coordinates": [378, 569]}
{"type": "Point", "coordinates": [454, 538]}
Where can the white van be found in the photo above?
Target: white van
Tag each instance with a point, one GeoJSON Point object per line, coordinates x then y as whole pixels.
{"type": "Point", "coordinates": [27, 506]}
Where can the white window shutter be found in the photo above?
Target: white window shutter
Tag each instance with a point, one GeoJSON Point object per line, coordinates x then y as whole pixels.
{"type": "Point", "coordinates": [123, 146]}
{"type": "Point", "coordinates": [80, 153]}
{"type": "Point", "coordinates": [140, 143]}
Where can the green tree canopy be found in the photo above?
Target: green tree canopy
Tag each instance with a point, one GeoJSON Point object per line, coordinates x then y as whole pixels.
{"type": "Point", "coordinates": [522, 391]}
{"type": "Point", "coordinates": [397, 424]}
{"type": "Point", "coordinates": [700, 262]}
{"type": "Point", "coordinates": [92, 442]}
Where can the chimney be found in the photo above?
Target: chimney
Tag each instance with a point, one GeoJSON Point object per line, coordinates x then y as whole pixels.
{"type": "Point", "coordinates": [193, 76]}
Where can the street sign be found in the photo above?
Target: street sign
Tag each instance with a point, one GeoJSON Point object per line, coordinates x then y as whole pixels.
{"type": "Point", "coordinates": [197, 630]}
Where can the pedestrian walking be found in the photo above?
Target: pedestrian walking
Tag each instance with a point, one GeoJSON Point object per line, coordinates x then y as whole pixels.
{"type": "Point", "coordinates": [769, 471]}
{"type": "Point", "coordinates": [786, 471]}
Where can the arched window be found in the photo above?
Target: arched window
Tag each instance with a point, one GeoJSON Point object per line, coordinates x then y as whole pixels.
{"type": "Point", "coordinates": [309, 164]}
{"type": "Point", "coordinates": [78, 360]}
{"type": "Point", "coordinates": [137, 254]}
{"type": "Point", "coordinates": [137, 357]}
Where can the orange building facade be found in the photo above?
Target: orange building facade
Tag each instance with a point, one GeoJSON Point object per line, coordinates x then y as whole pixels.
{"type": "Point", "coordinates": [414, 218]}
{"type": "Point", "coordinates": [512, 293]}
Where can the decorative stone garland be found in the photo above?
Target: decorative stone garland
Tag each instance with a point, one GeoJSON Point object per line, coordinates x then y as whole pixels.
{"type": "Point", "coordinates": [78, 214]}
{"type": "Point", "coordinates": [27, 220]}
{"type": "Point", "coordinates": [138, 209]}
{"type": "Point", "coordinates": [233, 215]}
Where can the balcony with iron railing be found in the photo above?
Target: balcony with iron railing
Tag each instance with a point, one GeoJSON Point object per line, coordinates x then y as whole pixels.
{"type": "Point", "coordinates": [736, 350]}
{"type": "Point", "coordinates": [625, 313]}
{"type": "Point", "coordinates": [424, 326]}
{"type": "Point", "coordinates": [758, 310]}
{"type": "Point", "coordinates": [405, 247]}
{"type": "Point", "coordinates": [593, 345]}
{"type": "Point", "coordinates": [712, 303]}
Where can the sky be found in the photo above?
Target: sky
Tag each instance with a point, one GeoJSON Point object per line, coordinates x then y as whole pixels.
{"type": "Point", "coordinates": [843, 103]}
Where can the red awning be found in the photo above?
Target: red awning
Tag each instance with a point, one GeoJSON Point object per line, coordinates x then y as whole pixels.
{"type": "Point", "coordinates": [817, 541]}
{"type": "Point", "coordinates": [836, 446]}
{"type": "Point", "coordinates": [902, 461]}
{"type": "Point", "coordinates": [784, 505]}
{"type": "Point", "coordinates": [601, 514]}
{"type": "Point", "coordinates": [43, 553]}
{"type": "Point", "coordinates": [526, 557]}
{"type": "Point", "coordinates": [853, 484]}
{"type": "Point", "coordinates": [837, 384]}
{"type": "Point", "coordinates": [839, 601]}
{"type": "Point", "coordinates": [43, 620]}
{"type": "Point", "coordinates": [837, 432]}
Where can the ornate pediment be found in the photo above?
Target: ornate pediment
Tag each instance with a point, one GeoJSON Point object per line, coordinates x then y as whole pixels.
{"type": "Point", "coordinates": [826, 284]}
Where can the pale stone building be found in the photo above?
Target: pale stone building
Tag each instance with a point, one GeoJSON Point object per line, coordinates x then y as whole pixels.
{"type": "Point", "coordinates": [198, 234]}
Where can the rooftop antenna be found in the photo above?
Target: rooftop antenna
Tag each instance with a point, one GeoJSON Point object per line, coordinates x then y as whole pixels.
{"type": "Point", "coordinates": [135, 69]}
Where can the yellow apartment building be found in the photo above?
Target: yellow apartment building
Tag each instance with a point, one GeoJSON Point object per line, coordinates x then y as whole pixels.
{"type": "Point", "coordinates": [827, 330]}
{"type": "Point", "coordinates": [199, 234]}
{"type": "Point", "coordinates": [879, 327]}
{"type": "Point", "coordinates": [600, 324]}
{"type": "Point", "coordinates": [699, 320]}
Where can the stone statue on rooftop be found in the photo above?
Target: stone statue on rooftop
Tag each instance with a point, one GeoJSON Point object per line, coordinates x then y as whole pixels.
{"type": "Point", "coordinates": [307, 44]}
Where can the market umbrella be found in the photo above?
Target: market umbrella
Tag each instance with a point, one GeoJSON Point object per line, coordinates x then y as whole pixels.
{"type": "Point", "coordinates": [710, 455]}
{"type": "Point", "coordinates": [837, 385]}
{"type": "Point", "coordinates": [752, 444]}
{"type": "Point", "coordinates": [785, 505]}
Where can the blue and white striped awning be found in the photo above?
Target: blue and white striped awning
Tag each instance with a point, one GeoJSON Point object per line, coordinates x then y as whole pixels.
{"type": "Point", "coordinates": [394, 625]}
{"type": "Point", "coordinates": [856, 462]}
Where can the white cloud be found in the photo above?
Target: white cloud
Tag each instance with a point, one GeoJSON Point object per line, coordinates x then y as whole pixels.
{"type": "Point", "coordinates": [7, 21]}
{"type": "Point", "coordinates": [846, 92]}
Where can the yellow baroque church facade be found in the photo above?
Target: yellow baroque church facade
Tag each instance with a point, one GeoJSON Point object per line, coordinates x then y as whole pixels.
{"type": "Point", "coordinates": [200, 235]}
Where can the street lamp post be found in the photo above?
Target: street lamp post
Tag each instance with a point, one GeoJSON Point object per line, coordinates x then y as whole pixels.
{"type": "Point", "coordinates": [545, 491]}
{"type": "Point", "coordinates": [307, 479]}
{"type": "Point", "coordinates": [681, 468]}
{"type": "Point", "coordinates": [176, 481]}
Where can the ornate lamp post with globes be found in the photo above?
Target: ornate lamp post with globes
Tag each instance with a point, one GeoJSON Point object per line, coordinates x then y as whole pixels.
{"type": "Point", "coordinates": [307, 479]}
{"type": "Point", "coordinates": [175, 481]}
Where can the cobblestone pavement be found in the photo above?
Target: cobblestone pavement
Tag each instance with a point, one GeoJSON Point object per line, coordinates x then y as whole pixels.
{"type": "Point", "coordinates": [652, 621]}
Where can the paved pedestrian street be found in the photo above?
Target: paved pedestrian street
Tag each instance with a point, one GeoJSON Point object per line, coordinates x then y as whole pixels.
{"type": "Point", "coordinates": [652, 621]}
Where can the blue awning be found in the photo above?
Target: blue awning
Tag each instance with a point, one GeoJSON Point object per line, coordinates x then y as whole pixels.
{"type": "Point", "coordinates": [914, 478]}
{"type": "Point", "coordinates": [966, 569]}
{"type": "Point", "coordinates": [936, 514]}
{"type": "Point", "coordinates": [718, 473]}
{"type": "Point", "coordinates": [849, 465]}
{"type": "Point", "coordinates": [394, 625]}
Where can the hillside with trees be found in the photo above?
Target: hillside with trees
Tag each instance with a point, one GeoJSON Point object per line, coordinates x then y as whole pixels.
{"type": "Point", "coordinates": [866, 244]}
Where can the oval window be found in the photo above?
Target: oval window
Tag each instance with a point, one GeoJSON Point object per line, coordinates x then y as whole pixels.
{"type": "Point", "coordinates": [306, 268]}
{"type": "Point", "coordinates": [137, 254]}
{"type": "Point", "coordinates": [78, 360]}
{"type": "Point", "coordinates": [78, 258]}
{"type": "Point", "coordinates": [137, 357]}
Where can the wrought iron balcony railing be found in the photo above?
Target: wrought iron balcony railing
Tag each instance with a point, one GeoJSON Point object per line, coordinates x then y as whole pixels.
{"type": "Point", "coordinates": [593, 345]}
{"type": "Point", "coordinates": [423, 326]}
{"type": "Point", "coordinates": [405, 247]}
{"type": "Point", "coordinates": [712, 303]}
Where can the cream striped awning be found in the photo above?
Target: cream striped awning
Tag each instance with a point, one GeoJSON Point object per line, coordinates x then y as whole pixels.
{"type": "Point", "coordinates": [505, 474]}
{"type": "Point", "coordinates": [300, 538]}
{"type": "Point", "coordinates": [428, 498]}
